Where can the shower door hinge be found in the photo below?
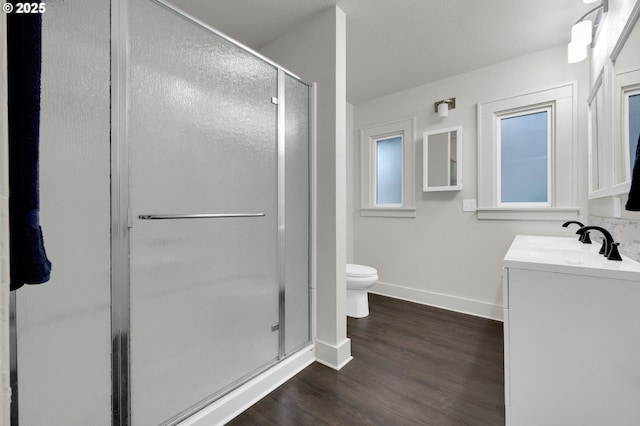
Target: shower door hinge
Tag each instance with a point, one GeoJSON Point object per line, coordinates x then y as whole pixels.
{"type": "Point", "coordinates": [275, 327]}
{"type": "Point", "coordinates": [274, 100]}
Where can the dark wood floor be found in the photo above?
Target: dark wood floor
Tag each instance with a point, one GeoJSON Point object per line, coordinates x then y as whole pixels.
{"type": "Point", "coordinates": [413, 365]}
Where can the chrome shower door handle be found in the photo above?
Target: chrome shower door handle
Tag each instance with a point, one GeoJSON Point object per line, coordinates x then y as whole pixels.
{"type": "Point", "coordinates": [198, 216]}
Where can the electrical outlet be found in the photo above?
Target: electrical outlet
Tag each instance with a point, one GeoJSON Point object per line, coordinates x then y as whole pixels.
{"type": "Point", "coordinates": [469, 205]}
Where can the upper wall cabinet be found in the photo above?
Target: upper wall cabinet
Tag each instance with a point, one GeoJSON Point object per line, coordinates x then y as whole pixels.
{"type": "Point", "coordinates": [598, 185]}
{"type": "Point", "coordinates": [626, 102]}
{"type": "Point", "coordinates": [442, 161]}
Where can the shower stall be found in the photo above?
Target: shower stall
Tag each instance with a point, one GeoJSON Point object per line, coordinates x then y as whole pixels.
{"type": "Point", "coordinates": [180, 234]}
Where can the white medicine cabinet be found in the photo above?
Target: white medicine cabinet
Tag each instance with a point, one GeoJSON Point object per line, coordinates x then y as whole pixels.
{"type": "Point", "coordinates": [626, 102]}
{"type": "Point", "coordinates": [613, 105]}
{"type": "Point", "coordinates": [597, 136]}
{"type": "Point", "coordinates": [442, 160]}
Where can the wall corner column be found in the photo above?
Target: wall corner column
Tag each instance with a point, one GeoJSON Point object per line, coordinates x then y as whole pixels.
{"type": "Point", "coordinates": [316, 51]}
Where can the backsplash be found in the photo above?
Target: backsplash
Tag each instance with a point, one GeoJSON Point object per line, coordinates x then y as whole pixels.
{"type": "Point", "coordinates": [626, 232]}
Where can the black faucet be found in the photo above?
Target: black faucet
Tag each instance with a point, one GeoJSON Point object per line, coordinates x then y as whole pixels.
{"type": "Point", "coordinates": [584, 237]}
{"type": "Point", "coordinates": [609, 247]}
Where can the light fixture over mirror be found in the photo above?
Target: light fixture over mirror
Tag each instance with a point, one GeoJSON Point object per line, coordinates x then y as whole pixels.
{"type": "Point", "coordinates": [583, 32]}
{"type": "Point", "coordinates": [442, 107]}
{"type": "Point", "coordinates": [576, 52]}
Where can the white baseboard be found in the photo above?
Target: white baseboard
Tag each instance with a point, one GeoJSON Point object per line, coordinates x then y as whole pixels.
{"type": "Point", "coordinates": [438, 300]}
{"type": "Point", "coordinates": [332, 356]}
{"type": "Point", "coordinates": [237, 401]}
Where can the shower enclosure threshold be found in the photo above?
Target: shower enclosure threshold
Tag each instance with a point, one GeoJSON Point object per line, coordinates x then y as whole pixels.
{"type": "Point", "coordinates": [238, 400]}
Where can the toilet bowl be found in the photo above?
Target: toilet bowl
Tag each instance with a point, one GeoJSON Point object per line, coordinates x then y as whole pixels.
{"type": "Point", "coordinates": [359, 279]}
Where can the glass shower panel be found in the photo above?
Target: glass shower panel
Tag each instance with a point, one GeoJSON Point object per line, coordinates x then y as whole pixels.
{"type": "Point", "coordinates": [64, 325]}
{"type": "Point", "coordinates": [297, 330]}
{"type": "Point", "coordinates": [204, 291]}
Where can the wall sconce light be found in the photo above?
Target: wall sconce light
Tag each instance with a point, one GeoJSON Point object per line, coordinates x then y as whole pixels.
{"type": "Point", "coordinates": [582, 33]}
{"type": "Point", "coordinates": [442, 107]}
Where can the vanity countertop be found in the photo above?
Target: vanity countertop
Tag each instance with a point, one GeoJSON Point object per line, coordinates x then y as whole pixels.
{"type": "Point", "coordinates": [567, 255]}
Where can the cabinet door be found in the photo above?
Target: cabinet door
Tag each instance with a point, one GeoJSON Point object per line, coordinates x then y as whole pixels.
{"type": "Point", "coordinates": [505, 316]}
{"type": "Point", "coordinates": [573, 349]}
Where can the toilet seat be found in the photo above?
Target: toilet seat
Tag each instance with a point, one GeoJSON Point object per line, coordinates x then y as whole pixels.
{"type": "Point", "coordinates": [360, 271]}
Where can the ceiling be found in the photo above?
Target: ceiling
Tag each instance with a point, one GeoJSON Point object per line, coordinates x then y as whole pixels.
{"type": "Point", "coordinates": [394, 45]}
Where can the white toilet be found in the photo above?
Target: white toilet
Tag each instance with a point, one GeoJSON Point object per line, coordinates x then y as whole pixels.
{"type": "Point", "coordinates": [359, 279]}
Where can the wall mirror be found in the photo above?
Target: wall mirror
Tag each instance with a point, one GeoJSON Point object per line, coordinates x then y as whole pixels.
{"type": "Point", "coordinates": [442, 160]}
{"type": "Point", "coordinates": [596, 135]}
{"type": "Point", "coordinates": [626, 110]}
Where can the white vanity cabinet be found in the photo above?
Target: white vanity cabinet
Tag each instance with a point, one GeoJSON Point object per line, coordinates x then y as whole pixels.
{"type": "Point", "coordinates": [572, 335]}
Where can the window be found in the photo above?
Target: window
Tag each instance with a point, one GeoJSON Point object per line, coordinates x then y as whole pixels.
{"type": "Point", "coordinates": [523, 148]}
{"type": "Point", "coordinates": [389, 171]}
{"type": "Point", "coordinates": [527, 156]}
{"type": "Point", "coordinates": [387, 187]}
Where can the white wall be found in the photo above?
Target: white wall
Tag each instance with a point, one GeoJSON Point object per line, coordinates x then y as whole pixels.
{"type": "Point", "coordinates": [350, 183]}
{"type": "Point", "coordinates": [316, 51]}
{"type": "Point", "coordinates": [446, 257]}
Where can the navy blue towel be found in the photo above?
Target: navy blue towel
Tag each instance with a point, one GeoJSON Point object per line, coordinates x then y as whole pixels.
{"type": "Point", "coordinates": [29, 263]}
{"type": "Point", "coordinates": [633, 203]}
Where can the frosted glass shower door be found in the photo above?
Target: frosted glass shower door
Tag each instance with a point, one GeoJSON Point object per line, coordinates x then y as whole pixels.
{"type": "Point", "coordinates": [203, 291]}
{"type": "Point", "coordinates": [296, 259]}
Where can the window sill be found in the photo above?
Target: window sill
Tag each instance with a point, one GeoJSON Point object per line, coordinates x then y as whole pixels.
{"type": "Point", "coordinates": [388, 212]}
{"type": "Point", "coordinates": [542, 213]}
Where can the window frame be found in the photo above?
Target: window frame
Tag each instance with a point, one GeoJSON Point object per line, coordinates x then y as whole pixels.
{"type": "Point", "coordinates": [519, 113]}
{"type": "Point", "coordinates": [564, 181]}
{"type": "Point", "coordinates": [368, 147]}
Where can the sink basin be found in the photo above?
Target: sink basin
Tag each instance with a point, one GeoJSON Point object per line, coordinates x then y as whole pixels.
{"type": "Point", "coordinates": [570, 256]}
{"type": "Point", "coordinates": [542, 241]}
